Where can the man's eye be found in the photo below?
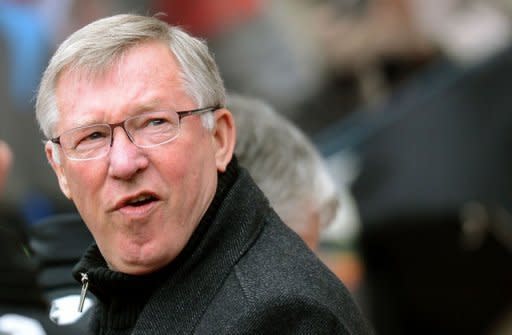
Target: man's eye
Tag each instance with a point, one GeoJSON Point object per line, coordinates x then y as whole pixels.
{"type": "Point", "coordinates": [94, 136]}
{"type": "Point", "coordinates": [156, 122]}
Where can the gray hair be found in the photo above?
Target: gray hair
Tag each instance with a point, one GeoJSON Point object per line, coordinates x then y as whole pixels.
{"type": "Point", "coordinates": [283, 162]}
{"type": "Point", "coordinates": [96, 47]}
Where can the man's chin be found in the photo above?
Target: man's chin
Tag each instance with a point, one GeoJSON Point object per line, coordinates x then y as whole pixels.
{"type": "Point", "coordinates": [136, 267]}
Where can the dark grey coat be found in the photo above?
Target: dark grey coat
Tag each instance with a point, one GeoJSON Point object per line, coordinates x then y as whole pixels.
{"type": "Point", "coordinates": [250, 274]}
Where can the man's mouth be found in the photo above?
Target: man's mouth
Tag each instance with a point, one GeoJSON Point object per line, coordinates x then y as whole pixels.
{"type": "Point", "coordinates": [136, 201]}
{"type": "Point", "coordinates": [137, 206]}
{"type": "Point", "coordinates": [141, 200]}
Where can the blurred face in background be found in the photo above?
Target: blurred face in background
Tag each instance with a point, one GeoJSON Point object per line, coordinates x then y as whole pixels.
{"type": "Point", "coordinates": [5, 162]}
{"type": "Point", "coordinates": [140, 204]}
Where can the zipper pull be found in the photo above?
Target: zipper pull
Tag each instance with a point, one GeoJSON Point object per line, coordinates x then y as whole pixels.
{"type": "Point", "coordinates": [85, 286]}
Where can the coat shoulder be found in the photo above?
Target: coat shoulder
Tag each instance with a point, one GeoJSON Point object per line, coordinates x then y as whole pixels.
{"type": "Point", "coordinates": [280, 286]}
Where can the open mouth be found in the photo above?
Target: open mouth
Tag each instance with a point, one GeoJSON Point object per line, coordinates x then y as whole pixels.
{"type": "Point", "coordinates": [140, 200]}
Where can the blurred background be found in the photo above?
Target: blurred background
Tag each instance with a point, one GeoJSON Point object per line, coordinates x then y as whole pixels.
{"type": "Point", "coordinates": [408, 101]}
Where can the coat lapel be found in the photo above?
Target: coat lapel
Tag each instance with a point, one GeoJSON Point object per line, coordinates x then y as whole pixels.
{"type": "Point", "coordinates": [183, 299]}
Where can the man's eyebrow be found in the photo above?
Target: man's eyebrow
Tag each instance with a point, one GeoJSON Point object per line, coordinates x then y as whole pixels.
{"type": "Point", "coordinates": [152, 105]}
{"type": "Point", "coordinates": [144, 108]}
{"type": "Point", "coordinates": [84, 122]}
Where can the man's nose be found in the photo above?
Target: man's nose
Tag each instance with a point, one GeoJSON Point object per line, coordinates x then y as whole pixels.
{"type": "Point", "coordinates": [126, 159]}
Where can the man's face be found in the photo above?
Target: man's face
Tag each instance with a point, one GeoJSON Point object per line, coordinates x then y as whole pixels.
{"type": "Point", "coordinates": [141, 205]}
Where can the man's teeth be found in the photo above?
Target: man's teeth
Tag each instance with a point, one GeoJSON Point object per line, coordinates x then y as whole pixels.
{"type": "Point", "coordinates": [140, 199]}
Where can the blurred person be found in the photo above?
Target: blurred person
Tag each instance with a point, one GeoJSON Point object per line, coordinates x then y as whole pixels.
{"type": "Point", "coordinates": [23, 308]}
{"type": "Point", "coordinates": [7, 213]}
{"type": "Point", "coordinates": [5, 162]}
{"type": "Point", "coordinates": [372, 31]}
{"type": "Point", "coordinates": [467, 32]}
{"type": "Point", "coordinates": [373, 44]}
{"type": "Point", "coordinates": [286, 166]}
{"type": "Point", "coordinates": [290, 171]}
{"type": "Point", "coordinates": [184, 239]}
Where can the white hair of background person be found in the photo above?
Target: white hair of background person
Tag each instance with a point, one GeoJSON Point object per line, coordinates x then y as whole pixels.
{"type": "Point", "coordinates": [93, 54]}
{"type": "Point", "coordinates": [284, 164]}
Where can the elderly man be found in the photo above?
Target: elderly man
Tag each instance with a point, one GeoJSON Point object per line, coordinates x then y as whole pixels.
{"type": "Point", "coordinates": [185, 241]}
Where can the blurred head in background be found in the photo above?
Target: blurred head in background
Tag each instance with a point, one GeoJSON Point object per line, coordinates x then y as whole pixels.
{"type": "Point", "coordinates": [286, 166]}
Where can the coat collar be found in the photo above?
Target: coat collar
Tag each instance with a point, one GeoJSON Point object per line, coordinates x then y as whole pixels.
{"type": "Point", "coordinates": [183, 299]}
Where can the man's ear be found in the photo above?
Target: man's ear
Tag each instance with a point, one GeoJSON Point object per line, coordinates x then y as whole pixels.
{"type": "Point", "coordinates": [224, 135]}
{"type": "Point", "coordinates": [53, 157]}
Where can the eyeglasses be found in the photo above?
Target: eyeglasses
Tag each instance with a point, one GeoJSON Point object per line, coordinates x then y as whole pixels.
{"type": "Point", "coordinates": [145, 131]}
